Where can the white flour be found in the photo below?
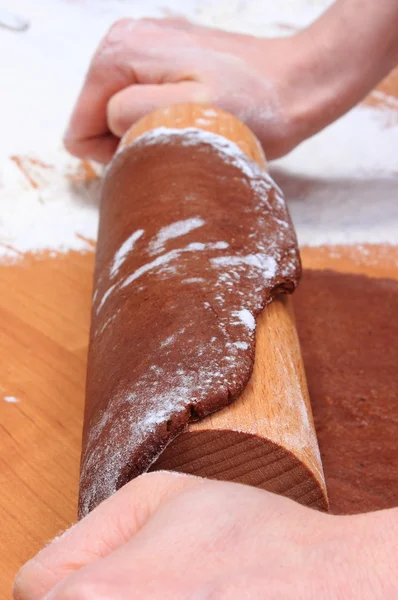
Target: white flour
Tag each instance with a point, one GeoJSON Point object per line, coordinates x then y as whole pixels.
{"type": "Point", "coordinates": [246, 317]}
{"type": "Point", "coordinates": [11, 399]}
{"type": "Point", "coordinates": [123, 252]}
{"type": "Point", "coordinates": [57, 215]}
{"type": "Point", "coordinates": [158, 265]}
{"type": "Point", "coordinates": [173, 231]}
{"type": "Point", "coordinates": [341, 185]}
{"type": "Point", "coordinates": [192, 136]}
{"type": "Point", "coordinates": [266, 264]}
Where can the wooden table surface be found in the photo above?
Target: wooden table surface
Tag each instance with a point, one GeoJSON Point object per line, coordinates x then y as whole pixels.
{"type": "Point", "coordinates": [44, 325]}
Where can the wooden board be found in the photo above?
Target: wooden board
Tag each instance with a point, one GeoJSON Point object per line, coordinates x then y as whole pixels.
{"type": "Point", "coordinates": [44, 320]}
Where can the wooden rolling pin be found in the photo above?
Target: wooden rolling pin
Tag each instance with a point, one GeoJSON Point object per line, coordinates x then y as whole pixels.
{"type": "Point", "coordinates": [266, 438]}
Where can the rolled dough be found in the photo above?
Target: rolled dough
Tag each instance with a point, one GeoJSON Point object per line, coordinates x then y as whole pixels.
{"type": "Point", "coordinates": [195, 239]}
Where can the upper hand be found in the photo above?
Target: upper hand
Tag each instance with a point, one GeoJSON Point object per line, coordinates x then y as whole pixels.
{"type": "Point", "coordinates": [146, 64]}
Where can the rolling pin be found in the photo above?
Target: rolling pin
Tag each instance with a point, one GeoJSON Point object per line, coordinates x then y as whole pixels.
{"type": "Point", "coordinates": [265, 438]}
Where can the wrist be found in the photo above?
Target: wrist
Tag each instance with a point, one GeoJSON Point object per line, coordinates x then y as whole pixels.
{"type": "Point", "coordinates": [286, 94]}
{"type": "Point", "coordinates": [345, 57]}
{"type": "Point", "coordinates": [307, 95]}
{"type": "Point", "coordinates": [373, 552]}
{"type": "Point", "coordinates": [334, 63]}
{"type": "Point", "coordinates": [322, 87]}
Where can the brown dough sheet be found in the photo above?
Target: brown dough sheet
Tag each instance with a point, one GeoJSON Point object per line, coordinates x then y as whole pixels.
{"type": "Point", "coordinates": [194, 241]}
{"type": "Point", "coordinates": [348, 329]}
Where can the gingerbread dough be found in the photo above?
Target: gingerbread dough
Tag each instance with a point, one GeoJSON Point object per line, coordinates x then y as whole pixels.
{"type": "Point", "coordinates": [348, 329]}
{"type": "Point", "coordinates": [195, 239]}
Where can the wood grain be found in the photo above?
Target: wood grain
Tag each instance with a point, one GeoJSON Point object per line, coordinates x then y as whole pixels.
{"type": "Point", "coordinates": [45, 304]}
{"type": "Point", "coordinates": [266, 437]}
{"type": "Point", "coordinates": [44, 324]}
{"type": "Point", "coordinates": [203, 117]}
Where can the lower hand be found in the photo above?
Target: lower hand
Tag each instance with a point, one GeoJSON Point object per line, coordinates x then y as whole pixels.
{"type": "Point", "coordinates": [174, 537]}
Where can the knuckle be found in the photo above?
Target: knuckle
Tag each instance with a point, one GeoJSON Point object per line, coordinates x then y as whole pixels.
{"type": "Point", "coordinates": [21, 586]}
{"type": "Point", "coordinates": [30, 577]}
{"type": "Point", "coordinates": [77, 590]}
{"type": "Point", "coordinates": [117, 34]}
{"type": "Point", "coordinates": [122, 25]}
{"type": "Point", "coordinates": [75, 147]}
{"type": "Point", "coordinates": [125, 27]}
{"type": "Point", "coordinates": [69, 144]}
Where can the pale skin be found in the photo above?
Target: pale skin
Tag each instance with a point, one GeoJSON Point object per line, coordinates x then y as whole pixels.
{"type": "Point", "coordinates": [285, 89]}
{"type": "Point", "coordinates": [176, 537]}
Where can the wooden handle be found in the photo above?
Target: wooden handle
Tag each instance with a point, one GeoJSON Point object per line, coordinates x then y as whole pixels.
{"type": "Point", "coordinates": [266, 438]}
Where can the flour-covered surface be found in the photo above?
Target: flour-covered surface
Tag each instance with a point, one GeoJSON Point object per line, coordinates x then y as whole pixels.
{"type": "Point", "coordinates": [341, 185]}
{"type": "Point", "coordinates": [46, 207]}
{"type": "Point", "coordinates": [173, 326]}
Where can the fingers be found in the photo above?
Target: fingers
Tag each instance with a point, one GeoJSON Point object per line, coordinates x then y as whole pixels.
{"type": "Point", "coordinates": [129, 573]}
{"type": "Point", "coordinates": [108, 73]}
{"type": "Point", "coordinates": [99, 148]}
{"type": "Point", "coordinates": [183, 543]}
{"type": "Point", "coordinates": [130, 104]}
{"type": "Point", "coordinates": [107, 528]}
{"type": "Point", "coordinates": [133, 52]}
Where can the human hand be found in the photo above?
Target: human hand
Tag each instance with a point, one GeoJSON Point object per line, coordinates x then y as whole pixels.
{"type": "Point", "coordinates": [284, 89]}
{"type": "Point", "coordinates": [146, 64]}
{"type": "Point", "coordinates": [177, 537]}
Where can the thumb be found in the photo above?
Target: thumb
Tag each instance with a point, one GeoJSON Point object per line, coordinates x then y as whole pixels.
{"type": "Point", "coordinates": [133, 102]}
{"type": "Point", "coordinates": [104, 530]}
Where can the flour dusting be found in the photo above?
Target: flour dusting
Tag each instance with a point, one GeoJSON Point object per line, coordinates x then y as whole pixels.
{"type": "Point", "coordinates": [164, 259]}
{"type": "Point", "coordinates": [230, 266]}
{"type": "Point", "coordinates": [193, 136]}
{"type": "Point", "coordinates": [105, 297]}
{"type": "Point", "coordinates": [246, 317]}
{"type": "Point", "coordinates": [159, 264]}
{"type": "Point", "coordinates": [42, 209]}
{"type": "Point", "coordinates": [11, 399]}
{"type": "Point", "coordinates": [266, 264]}
{"type": "Point", "coordinates": [123, 252]}
{"type": "Point", "coordinates": [241, 345]}
{"type": "Point", "coordinates": [174, 230]}
{"type": "Point", "coordinates": [341, 185]}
